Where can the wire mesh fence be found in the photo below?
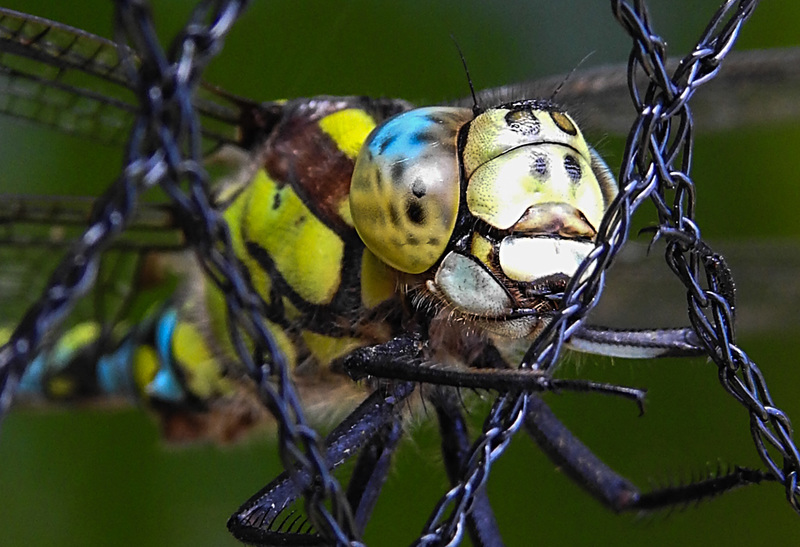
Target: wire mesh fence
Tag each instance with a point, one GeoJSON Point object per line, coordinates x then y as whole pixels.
{"type": "Point", "coordinates": [165, 149]}
{"type": "Point", "coordinates": [656, 163]}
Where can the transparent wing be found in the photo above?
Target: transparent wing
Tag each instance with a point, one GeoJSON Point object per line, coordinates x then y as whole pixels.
{"type": "Point", "coordinates": [76, 82]}
{"type": "Point", "coordinates": [72, 80]}
{"type": "Point", "coordinates": [35, 232]}
{"type": "Point", "coordinates": [757, 88]}
{"type": "Point", "coordinates": [765, 273]}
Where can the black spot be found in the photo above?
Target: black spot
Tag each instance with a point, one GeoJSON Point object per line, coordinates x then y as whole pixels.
{"type": "Point", "coordinates": [572, 167]}
{"type": "Point", "coordinates": [415, 212]}
{"type": "Point", "coordinates": [411, 239]}
{"type": "Point", "coordinates": [541, 165]}
{"type": "Point", "coordinates": [523, 121]}
{"type": "Point", "coordinates": [398, 170]}
{"type": "Point", "coordinates": [422, 137]}
{"type": "Point", "coordinates": [276, 201]}
{"type": "Point", "coordinates": [418, 188]}
{"type": "Point", "coordinates": [393, 216]}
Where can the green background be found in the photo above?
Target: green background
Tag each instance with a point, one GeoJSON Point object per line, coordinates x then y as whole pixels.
{"type": "Point", "coordinates": [89, 477]}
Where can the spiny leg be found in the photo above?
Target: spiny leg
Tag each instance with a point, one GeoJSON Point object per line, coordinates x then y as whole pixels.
{"type": "Point", "coordinates": [371, 470]}
{"type": "Point", "coordinates": [481, 523]}
{"type": "Point", "coordinates": [401, 359]}
{"type": "Point", "coordinates": [256, 521]}
{"type": "Point", "coordinates": [606, 485]}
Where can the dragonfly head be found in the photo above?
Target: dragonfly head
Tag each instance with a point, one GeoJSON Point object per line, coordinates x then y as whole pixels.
{"type": "Point", "coordinates": [491, 214]}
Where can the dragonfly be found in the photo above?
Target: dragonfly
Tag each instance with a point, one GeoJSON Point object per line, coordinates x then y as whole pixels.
{"type": "Point", "coordinates": [143, 222]}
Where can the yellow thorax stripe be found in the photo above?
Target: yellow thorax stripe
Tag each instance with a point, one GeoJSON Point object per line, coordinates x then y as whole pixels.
{"type": "Point", "coordinates": [349, 129]}
{"type": "Point", "coordinates": [307, 253]}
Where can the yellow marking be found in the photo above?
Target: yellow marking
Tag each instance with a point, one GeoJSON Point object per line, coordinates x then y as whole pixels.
{"type": "Point", "coordinates": [218, 319]}
{"type": "Point", "coordinates": [219, 326]}
{"type": "Point", "coordinates": [285, 344]}
{"type": "Point", "coordinates": [75, 339]}
{"type": "Point", "coordinates": [327, 348]}
{"type": "Point", "coordinates": [307, 253]}
{"type": "Point", "coordinates": [145, 366]}
{"type": "Point", "coordinates": [203, 372]}
{"type": "Point", "coordinates": [290, 311]}
{"type": "Point", "coordinates": [482, 248]}
{"type": "Point", "coordinates": [60, 387]}
{"type": "Point", "coordinates": [235, 216]}
{"type": "Point", "coordinates": [5, 334]}
{"type": "Point", "coordinates": [378, 282]}
{"type": "Point", "coordinates": [226, 193]}
{"type": "Point", "coordinates": [349, 129]}
{"type": "Point", "coordinates": [343, 209]}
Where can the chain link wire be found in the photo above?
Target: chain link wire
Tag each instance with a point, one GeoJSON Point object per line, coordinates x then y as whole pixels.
{"type": "Point", "coordinates": [165, 149]}
{"type": "Point", "coordinates": [300, 445]}
{"type": "Point", "coordinates": [660, 146]}
{"type": "Point", "coordinates": [656, 163]}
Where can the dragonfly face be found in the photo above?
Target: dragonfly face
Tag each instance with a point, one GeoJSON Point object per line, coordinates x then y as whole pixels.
{"type": "Point", "coordinates": [438, 283]}
{"type": "Point", "coordinates": [533, 196]}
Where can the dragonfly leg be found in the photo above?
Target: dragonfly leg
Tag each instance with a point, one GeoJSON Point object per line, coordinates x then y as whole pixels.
{"type": "Point", "coordinates": [401, 359]}
{"type": "Point", "coordinates": [371, 471]}
{"type": "Point", "coordinates": [481, 523]}
{"type": "Point", "coordinates": [609, 487]}
{"type": "Point", "coordinates": [261, 520]}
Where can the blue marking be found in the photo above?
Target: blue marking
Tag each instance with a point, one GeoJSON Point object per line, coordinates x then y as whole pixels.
{"type": "Point", "coordinates": [166, 384]}
{"type": "Point", "coordinates": [32, 381]}
{"type": "Point", "coordinates": [164, 331]}
{"type": "Point", "coordinates": [399, 137]}
{"type": "Point", "coordinates": [114, 371]}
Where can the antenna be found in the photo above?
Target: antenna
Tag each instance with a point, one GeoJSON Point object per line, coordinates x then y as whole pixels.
{"type": "Point", "coordinates": [569, 75]}
{"type": "Point", "coordinates": [476, 108]}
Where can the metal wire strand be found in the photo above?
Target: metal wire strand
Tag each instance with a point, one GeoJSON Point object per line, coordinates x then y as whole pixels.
{"type": "Point", "coordinates": [656, 163]}
{"type": "Point", "coordinates": [165, 149]}
{"type": "Point", "coordinates": [170, 82]}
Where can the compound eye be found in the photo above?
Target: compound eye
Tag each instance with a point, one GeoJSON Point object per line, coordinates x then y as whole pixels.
{"type": "Point", "coordinates": [404, 194]}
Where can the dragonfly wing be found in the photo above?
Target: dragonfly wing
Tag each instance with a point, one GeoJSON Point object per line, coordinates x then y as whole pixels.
{"type": "Point", "coordinates": [76, 82]}
{"type": "Point", "coordinates": [35, 231]}
{"type": "Point", "coordinates": [765, 273]}
{"type": "Point", "coordinates": [754, 88]}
